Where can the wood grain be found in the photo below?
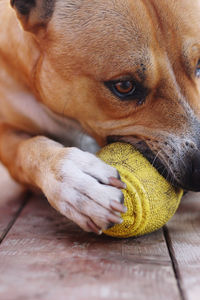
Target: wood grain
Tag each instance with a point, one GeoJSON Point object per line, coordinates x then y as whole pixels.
{"type": "Point", "coordinates": [11, 201]}
{"type": "Point", "coordinates": [45, 256]}
{"type": "Point", "coordinates": [184, 240]}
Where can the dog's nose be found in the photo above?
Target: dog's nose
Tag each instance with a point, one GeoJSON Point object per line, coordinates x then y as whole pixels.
{"type": "Point", "coordinates": [193, 176]}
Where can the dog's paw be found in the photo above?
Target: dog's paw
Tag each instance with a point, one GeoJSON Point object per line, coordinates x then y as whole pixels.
{"type": "Point", "coordinates": [84, 189]}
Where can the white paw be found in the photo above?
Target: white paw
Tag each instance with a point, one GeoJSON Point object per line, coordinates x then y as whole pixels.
{"type": "Point", "coordinates": [84, 189]}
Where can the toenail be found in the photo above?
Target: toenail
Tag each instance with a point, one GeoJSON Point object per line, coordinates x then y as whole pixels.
{"type": "Point", "coordinates": [122, 199]}
{"type": "Point", "coordinates": [125, 186]}
{"type": "Point", "coordinates": [118, 176]}
{"type": "Point", "coordinates": [125, 209]}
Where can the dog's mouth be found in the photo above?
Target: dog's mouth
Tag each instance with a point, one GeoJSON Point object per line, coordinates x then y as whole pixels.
{"type": "Point", "coordinates": [152, 157]}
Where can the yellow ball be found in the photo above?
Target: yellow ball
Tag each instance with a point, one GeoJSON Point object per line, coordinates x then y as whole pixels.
{"type": "Point", "coordinates": [150, 199]}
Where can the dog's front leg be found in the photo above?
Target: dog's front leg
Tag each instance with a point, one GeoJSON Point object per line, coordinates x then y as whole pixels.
{"type": "Point", "coordinates": [76, 183]}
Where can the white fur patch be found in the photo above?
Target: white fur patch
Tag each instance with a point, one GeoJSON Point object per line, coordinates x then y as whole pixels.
{"type": "Point", "coordinates": [80, 190]}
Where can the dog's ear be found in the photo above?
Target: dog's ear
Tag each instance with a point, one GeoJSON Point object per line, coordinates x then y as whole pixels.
{"type": "Point", "coordinates": [33, 14]}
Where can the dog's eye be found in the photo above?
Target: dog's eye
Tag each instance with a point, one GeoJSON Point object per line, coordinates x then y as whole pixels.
{"type": "Point", "coordinates": [198, 69]}
{"type": "Point", "coordinates": [124, 87]}
{"type": "Point", "coordinates": [127, 90]}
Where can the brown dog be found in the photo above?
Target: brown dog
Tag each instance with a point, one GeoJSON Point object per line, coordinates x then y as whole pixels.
{"type": "Point", "coordinates": [120, 70]}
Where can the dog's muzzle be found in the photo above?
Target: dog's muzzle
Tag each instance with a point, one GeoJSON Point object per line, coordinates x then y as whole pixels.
{"type": "Point", "coordinates": [188, 177]}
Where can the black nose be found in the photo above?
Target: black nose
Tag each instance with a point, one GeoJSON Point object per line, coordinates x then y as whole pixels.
{"type": "Point", "coordinates": [193, 176]}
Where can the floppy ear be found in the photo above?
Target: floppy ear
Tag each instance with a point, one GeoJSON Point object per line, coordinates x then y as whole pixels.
{"type": "Point", "coordinates": [33, 14]}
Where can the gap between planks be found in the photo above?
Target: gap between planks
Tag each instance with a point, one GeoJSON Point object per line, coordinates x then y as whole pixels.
{"type": "Point", "coordinates": [14, 218]}
{"type": "Point", "coordinates": [173, 261]}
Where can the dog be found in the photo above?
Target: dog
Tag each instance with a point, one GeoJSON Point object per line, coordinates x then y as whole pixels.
{"type": "Point", "coordinates": [116, 70]}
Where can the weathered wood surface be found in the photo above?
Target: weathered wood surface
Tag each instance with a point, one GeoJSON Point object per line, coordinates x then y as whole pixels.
{"type": "Point", "coordinates": [46, 257]}
{"type": "Point", "coordinates": [184, 240]}
{"type": "Point", "coordinates": [11, 201]}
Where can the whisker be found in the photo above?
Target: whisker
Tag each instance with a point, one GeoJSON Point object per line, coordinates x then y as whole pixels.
{"type": "Point", "coordinates": [168, 169]}
{"type": "Point", "coordinates": [155, 158]}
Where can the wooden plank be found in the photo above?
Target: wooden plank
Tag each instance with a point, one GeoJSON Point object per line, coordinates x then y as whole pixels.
{"type": "Point", "coordinates": [11, 202]}
{"type": "Point", "coordinates": [184, 243]}
{"type": "Point", "coordinates": [45, 256]}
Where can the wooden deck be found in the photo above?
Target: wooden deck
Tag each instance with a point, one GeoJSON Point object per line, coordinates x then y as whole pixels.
{"type": "Point", "coordinates": [44, 256]}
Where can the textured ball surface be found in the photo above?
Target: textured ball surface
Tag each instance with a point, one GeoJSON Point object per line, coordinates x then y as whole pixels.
{"type": "Point", "coordinates": [150, 199]}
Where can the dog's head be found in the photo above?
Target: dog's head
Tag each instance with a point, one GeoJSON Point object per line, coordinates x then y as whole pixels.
{"type": "Point", "coordinates": [127, 70]}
